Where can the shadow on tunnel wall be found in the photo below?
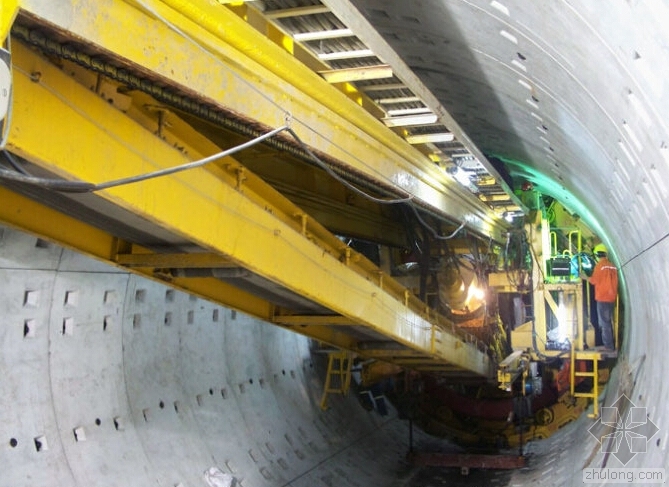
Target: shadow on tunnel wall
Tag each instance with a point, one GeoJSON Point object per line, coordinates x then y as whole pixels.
{"type": "Point", "coordinates": [430, 38]}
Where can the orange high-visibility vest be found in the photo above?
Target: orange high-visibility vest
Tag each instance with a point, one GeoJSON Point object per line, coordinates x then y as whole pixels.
{"type": "Point", "coordinates": [605, 280]}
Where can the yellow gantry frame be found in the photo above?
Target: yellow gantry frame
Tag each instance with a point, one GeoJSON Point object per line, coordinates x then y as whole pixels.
{"type": "Point", "coordinates": [217, 55]}
{"type": "Point", "coordinates": [8, 10]}
{"type": "Point", "coordinates": [71, 132]}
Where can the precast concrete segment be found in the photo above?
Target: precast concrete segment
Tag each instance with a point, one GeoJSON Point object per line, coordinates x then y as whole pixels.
{"type": "Point", "coordinates": [112, 379]}
{"type": "Point", "coordinates": [226, 55]}
{"type": "Point", "coordinates": [218, 214]}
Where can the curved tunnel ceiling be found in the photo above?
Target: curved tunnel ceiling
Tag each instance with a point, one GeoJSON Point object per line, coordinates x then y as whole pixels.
{"type": "Point", "coordinates": [562, 92]}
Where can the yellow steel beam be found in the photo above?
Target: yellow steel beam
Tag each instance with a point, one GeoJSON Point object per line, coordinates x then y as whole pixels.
{"type": "Point", "coordinates": [210, 207]}
{"type": "Point", "coordinates": [267, 83]}
{"type": "Point", "coordinates": [297, 11]}
{"type": "Point", "coordinates": [357, 74]}
{"type": "Point", "coordinates": [443, 368]}
{"type": "Point", "coordinates": [174, 261]}
{"type": "Point", "coordinates": [336, 336]}
{"type": "Point", "coordinates": [8, 11]}
{"type": "Point", "coordinates": [494, 197]}
{"type": "Point", "coordinates": [386, 354]}
{"type": "Point", "coordinates": [417, 362]}
{"type": "Point", "coordinates": [293, 320]}
{"type": "Point", "coordinates": [25, 214]}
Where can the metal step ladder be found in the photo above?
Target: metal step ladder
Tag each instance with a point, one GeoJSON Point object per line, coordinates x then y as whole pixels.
{"type": "Point", "coordinates": [593, 356]}
{"type": "Point", "coordinates": [338, 375]}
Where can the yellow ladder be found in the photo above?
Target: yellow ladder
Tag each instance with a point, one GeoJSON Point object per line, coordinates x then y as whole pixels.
{"type": "Point", "coordinates": [593, 356]}
{"type": "Point", "coordinates": [338, 375]}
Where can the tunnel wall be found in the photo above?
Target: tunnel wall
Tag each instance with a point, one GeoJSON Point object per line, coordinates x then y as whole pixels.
{"type": "Point", "coordinates": [111, 379]}
{"type": "Point", "coordinates": [646, 345]}
{"type": "Point", "coordinates": [179, 385]}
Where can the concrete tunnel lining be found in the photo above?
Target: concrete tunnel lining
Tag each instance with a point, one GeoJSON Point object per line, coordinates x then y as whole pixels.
{"type": "Point", "coordinates": [179, 385]}
{"type": "Point", "coordinates": [67, 370]}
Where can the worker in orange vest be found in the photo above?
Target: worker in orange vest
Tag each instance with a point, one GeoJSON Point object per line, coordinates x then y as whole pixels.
{"type": "Point", "coordinates": [605, 280]}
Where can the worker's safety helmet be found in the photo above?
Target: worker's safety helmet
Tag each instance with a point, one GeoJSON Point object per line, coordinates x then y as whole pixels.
{"type": "Point", "coordinates": [600, 250]}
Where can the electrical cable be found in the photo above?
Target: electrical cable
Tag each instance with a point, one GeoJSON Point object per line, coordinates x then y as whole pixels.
{"type": "Point", "coordinates": [516, 275]}
{"type": "Point", "coordinates": [46, 183]}
{"type": "Point", "coordinates": [84, 187]}
{"type": "Point", "coordinates": [22, 176]}
{"type": "Point", "coordinates": [657, 242]}
{"type": "Point", "coordinates": [343, 181]}
{"type": "Point", "coordinates": [14, 163]}
{"type": "Point", "coordinates": [432, 231]}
